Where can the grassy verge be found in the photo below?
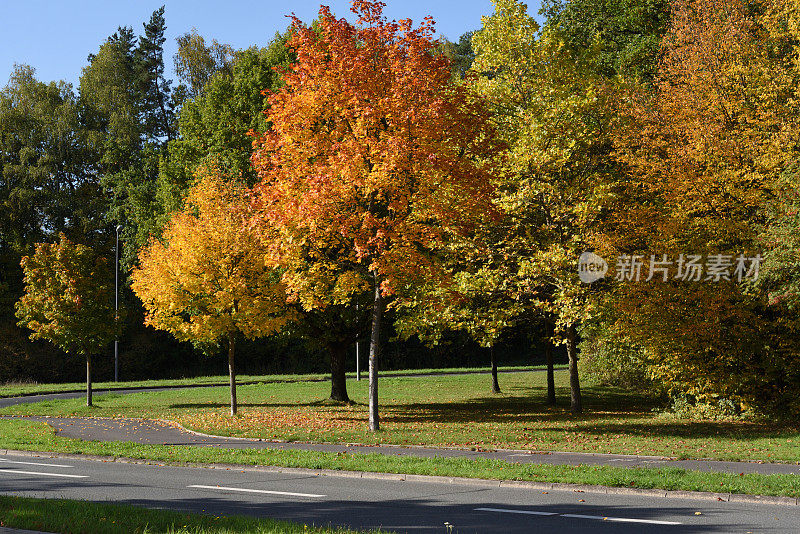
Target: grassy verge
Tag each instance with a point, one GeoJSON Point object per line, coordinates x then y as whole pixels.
{"type": "Point", "coordinates": [81, 517]}
{"type": "Point", "coordinates": [450, 410]}
{"type": "Point", "coordinates": [29, 435]}
{"type": "Point", "coordinates": [16, 390]}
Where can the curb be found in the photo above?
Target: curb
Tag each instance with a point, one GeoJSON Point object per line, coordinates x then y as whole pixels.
{"type": "Point", "coordinates": [461, 481]}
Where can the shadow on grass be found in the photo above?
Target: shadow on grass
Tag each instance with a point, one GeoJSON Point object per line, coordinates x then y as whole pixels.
{"type": "Point", "coordinates": [325, 403]}
{"type": "Point", "coordinates": [609, 411]}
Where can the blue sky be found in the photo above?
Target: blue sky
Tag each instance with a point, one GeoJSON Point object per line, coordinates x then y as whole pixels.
{"type": "Point", "coordinates": [56, 36]}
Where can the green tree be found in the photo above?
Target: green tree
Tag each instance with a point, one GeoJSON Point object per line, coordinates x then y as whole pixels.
{"type": "Point", "coordinates": [460, 53]}
{"type": "Point", "coordinates": [615, 37]}
{"type": "Point", "coordinates": [196, 62]}
{"type": "Point", "coordinates": [473, 301]}
{"type": "Point", "coordinates": [554, 113]}
{"type": "Point", "coordinates": [215, 125]}
{"type": "Point", "coordinates": [68, 300]}
{"type": "Point", "coordinates": [130, 119]}
{"type": "Point", "coordinates": [156, 110]}
{"type": "Point", "coordinates": [47, 185]}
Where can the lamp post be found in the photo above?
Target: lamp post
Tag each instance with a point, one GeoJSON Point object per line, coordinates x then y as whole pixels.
{"type": "Point", "coordinates": [358, 362]}
{"type": "Point", "coordinates": [116, 305]}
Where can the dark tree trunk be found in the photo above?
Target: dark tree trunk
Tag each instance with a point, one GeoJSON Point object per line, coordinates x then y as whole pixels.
{"type": "Point", "coordinates": [88, 380]}
{"type": "Point", "coordinates": [338, 355]}
{"type": "Point", "coordinates": [574, 381]}
{"type": "Point", "coordinates": [232, 371]}
{"type": "Point", "coordinates": [495, 383]}
{"type": "Point", "coordinates": [551, 380]}
{"type": "Point", "coordinates": [374, 352]}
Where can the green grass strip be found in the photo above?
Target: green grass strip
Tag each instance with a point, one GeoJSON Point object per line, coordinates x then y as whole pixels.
{"type": "Point", "coordinates": [30, 435]}
{"type": "Point", "coordinates": [82, 517]}
{"type": "Point", "coordinates": [20, 389]}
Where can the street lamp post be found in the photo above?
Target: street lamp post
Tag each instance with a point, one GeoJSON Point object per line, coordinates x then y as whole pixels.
{"type": "Point", "coordinates": [116, 304]}
{"type": "Point", "coordinates": [358, 362]}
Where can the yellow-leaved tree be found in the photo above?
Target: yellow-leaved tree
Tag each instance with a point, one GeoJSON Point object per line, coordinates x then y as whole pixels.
{"type": "Point", "coordinates": [206, 278]}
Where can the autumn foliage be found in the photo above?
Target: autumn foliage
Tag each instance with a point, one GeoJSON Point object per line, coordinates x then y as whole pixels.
{"type": "Point", "coordinates": [372, 152]}
{"type": "Point", "coordinates": [704, 149]}
{"type": "Point", "coordinates": [68, 300]}
{"type": "Point", "coordinates": [205, 279]}
{"type": "Point", "coordinates": [374, 156]}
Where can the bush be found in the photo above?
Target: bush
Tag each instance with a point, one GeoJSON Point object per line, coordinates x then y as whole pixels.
{"type": "Point", "coordinates": [685, 406]}
{"type": "Point", "coordinates": [609, 360]}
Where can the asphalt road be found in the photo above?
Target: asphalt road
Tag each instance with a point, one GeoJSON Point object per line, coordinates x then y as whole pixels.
{"type": "Point", "coordinates": [399, 506]}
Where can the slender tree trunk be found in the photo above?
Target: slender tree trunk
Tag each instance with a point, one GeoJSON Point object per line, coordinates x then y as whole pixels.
{"type": "Point", "coordinates": [551, 380]}
{"type": "Point", "coordinates": [374, 352]}
{"type": "Point", "coordinates": [89, 380]}
{"type": "Point", "coordinates": [495, 383]}
{"type": "Point", "coordinates": [232, 371]}
{"type": "Point", "coordinates": [338, 354]}
{"type": "Point", "coordinates": [574, 381]}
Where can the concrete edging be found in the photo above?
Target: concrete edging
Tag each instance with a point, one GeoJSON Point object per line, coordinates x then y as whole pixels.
{"type": "Point", "coordinates": [518, 484]}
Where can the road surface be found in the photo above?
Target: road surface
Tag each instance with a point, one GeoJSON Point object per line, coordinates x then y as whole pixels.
{"type": "Point", "coordinates": [399, 506]}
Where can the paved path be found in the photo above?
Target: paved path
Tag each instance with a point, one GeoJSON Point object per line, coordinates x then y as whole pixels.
{"type": "Point", "coordinates": [5, 530]}
{"type": "Point", "coordinates": [157, 433]}
{"type": "Point", "coordinates": [154, 432]}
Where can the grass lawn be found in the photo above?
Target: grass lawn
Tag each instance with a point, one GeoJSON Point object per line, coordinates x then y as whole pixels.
{"type": "Point", "coordinates": [17, 389]}
{"type": "Point", "coordinates": [36, 436]}
{"type": "Point", "coordinates": [81, 517]}
{"type": "Point", "coordinates": [455, 410]}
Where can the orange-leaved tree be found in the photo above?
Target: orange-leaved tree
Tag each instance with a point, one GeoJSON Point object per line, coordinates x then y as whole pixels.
{"type": "Point", "coordinates": [705, 148]}
{"type": "Point", "coordinates": [206, 278]}
{"type": "Point", "coordinates": [68, 300]}
{"type": "Point", "coordinates": [374, 157]}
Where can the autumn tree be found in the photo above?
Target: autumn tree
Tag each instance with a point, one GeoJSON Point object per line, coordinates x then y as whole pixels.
{"type": "Point", "coordinates": [472, 301]}
{"type": "Point", "coordinates": [370, 161]}
{"type": "Point", "coordinates": [205, 279]}
{"type": "Point", "coordinates": [68, 300]}
{"type": "Point", "coordinates": [554, 114]}
{"type": "Point", "coordinates": [47, 186]}
{"type": "Point", "coordinates": [706, 149]}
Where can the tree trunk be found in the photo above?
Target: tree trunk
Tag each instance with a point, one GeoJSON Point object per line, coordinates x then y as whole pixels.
{"type": "Point", "coordinates": [551, 380]}
{"type": "Point", "coordinates": [574, 381]}
{"type": "Point", "coordinates": [374, 352]}
{"type": "Point", "coordinates": [495, 383]}
{"type": "Point", "coordinates": [338, 354]}
{"type": "Point", "coordinates": [232, 371]}
{"type": "Point", "coordinates": [88, 380]}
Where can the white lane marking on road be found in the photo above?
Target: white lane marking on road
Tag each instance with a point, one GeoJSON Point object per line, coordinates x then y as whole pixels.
{"type": "Point", "coordinates": [525, 512]}
{"type": "Point", "coordinates": [34, 463]}
{"type": "Point", "coordinates": [245, 490]}
{"type": "Point", "coordinates": [622, 519]}
{"type": "Point", "coordinates": [579, 516]}
{"type": "Point", "coordinates": [18, 472]}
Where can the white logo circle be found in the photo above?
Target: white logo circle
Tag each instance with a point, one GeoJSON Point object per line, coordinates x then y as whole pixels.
{"type": "Point", "coordinates": [591, 267]}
